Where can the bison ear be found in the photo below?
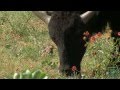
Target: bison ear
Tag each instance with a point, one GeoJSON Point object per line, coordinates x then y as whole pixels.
{"type": "Point", "coordinates": [43, 15]}
{"type": "Point", "coordinates": [87, 16]}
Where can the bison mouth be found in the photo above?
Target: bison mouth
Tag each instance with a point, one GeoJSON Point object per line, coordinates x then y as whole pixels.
{"type": "Point", "coordinates": [73, 71]}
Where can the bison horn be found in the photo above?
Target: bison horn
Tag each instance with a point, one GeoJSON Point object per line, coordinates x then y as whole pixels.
{"type": "Point", "coordinates": [46, 15]}
{"type": "Point", "coordinates": [88, 15]}
{"type": "Point", "coordinates": [43, 16]}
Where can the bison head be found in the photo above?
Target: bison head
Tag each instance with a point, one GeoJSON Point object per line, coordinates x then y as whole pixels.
{"type": "Point", "coordinates": [66, 29]}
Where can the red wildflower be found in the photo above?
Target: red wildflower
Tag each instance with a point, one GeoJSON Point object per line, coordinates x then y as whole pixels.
{"type": "Point", "coordinates": [86, 33]}
{"type": "Point", "coordinates": [92, 39]}
{"type": "Point", "coordinates": [99, 34]}
{"type": "Point", "coordinates": [74, 68]}
{"type": "Point", "coordinates": [118, 33]}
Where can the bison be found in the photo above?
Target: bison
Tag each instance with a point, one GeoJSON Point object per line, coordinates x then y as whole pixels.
{"type": "Point", "coordinates": [66, 29]}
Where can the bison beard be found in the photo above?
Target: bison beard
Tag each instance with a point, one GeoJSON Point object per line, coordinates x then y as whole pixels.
{"type": "Point", "coordinates": [66, 30]}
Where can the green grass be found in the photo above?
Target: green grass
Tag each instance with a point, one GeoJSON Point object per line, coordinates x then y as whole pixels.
{"type": "Point", "coordinates": [25, 45]}
{"type": "Point", "coordinates": [23, 37]}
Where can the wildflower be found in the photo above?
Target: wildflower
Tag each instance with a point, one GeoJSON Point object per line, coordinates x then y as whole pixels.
{"type": "Point", "coordinates": [118, 33]}
{"type": "Point", "coordinates": [86, 33]}
{"type": "Point", "coordinates": [99, 34]}
{"type": "Point", "coordinates": [96, 36]}
{"type": "Point", "coordinates": [92, 39]}
{"type": "Point", "coordinates": [84, 38]}
{"type": "Point", "coordinates": [74, 68]}
{"type": "Point", "coordinates": [31, 66]}
{"type": "Point", "coordinates": [101, 51]}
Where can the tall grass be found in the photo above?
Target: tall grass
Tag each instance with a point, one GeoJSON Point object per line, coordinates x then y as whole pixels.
{"type": "Point", "coordinates": [23, 38]}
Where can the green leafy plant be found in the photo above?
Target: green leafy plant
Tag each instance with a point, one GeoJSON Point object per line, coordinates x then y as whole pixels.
{"type": "Point", "coordinates": [30, 75]}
